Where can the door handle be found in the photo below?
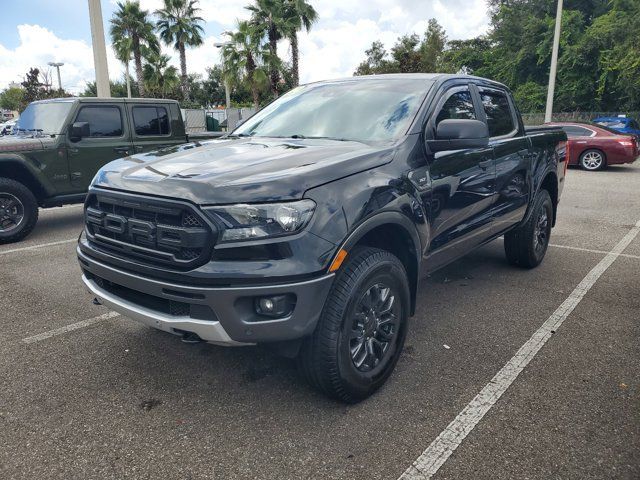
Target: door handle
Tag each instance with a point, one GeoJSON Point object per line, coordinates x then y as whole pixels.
{"type": "Point", "coordinates": [124, 150]}
{"type": "Point", "coordinates": [75, 175]}
{"type": "Point", "coordinates": [139, 148]}
{"type": "Point", "coordinates": [484, 164]}
{"type": "Point", "coordinates": [524, 153]}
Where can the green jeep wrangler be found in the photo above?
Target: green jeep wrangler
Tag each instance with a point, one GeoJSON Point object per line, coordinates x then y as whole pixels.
{"type": "Point", "coordinates": [59, 145]}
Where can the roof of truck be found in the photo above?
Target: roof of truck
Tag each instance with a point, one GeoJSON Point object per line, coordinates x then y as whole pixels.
{"type": "Point", "coordinates": [439, 77]}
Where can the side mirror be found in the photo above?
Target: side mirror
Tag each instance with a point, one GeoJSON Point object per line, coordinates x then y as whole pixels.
{"type": "Point", "coordinates": [78, 131]}
{"type": "Point", "coordinates": [460, 135]}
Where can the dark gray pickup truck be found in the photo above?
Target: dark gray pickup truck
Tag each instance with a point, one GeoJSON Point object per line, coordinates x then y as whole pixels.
{"type": "Point", "coordinates": [59, 145]}
{"type": "Point", "coordinates": [308, 228]}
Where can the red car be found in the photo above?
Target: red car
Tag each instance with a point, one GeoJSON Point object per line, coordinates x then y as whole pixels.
{"type": "Point", "coordinates": [594, 147]}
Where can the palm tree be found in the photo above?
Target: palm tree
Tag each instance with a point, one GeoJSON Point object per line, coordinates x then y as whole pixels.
{"type": "Point", "coordinates": [272, 17]}
{"type": "Point", "coordinates": [303, 15]}
{"type": "Point", "coordinates": [159, 76]}
{"type": "Point", "coordinates": [131, 22]}
{"type": "Point", "coordinates": [243, 58]}
{"type": "Point", "coordinates": [122, 47]}
{"type": "Point", "coordinates": [179, 25]}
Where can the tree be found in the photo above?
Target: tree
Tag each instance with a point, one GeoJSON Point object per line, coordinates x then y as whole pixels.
{"type": "Point", "coordinates": [271, 18]}
{"type": "Point", "coordinates": [302, 15]}
{"type": "Point", "coordinates": [244, 57]}
{"type": "Point", "coordinates": [130, 21]}
{"type": "Point", "coordinates": [432, 46]}
{"type": "Point", "coordinates": [160, 78]}
{"type": "Point", "coordinates": [11, 98]}
{"type": "Point", "coordinates": [179, 25]}
{"type": "Point", "coordinates": [376, 61]}
{"type": "Point", "coordinates": [123, 47]}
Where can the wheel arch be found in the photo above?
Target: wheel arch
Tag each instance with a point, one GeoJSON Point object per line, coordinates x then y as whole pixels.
{"type": "Point", "coordinates": [395, 233]}
{"type": "Point", "coordinates": [550, 184]}
{"type": "Point", "coordinates": [16, 170]}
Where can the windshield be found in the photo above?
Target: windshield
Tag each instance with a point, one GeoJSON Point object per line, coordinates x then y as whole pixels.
{"type": "Point", "coordinates": [47, 118]}
{"type": "Point", "coordinates": [360, 110]}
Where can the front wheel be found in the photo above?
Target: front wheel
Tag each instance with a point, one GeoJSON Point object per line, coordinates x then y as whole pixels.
{"type": "Point", "coordinates": [527, 245]}
{"type": "Point", "coordinates": [362, 329]}
{"type": "Point", "coordinates": [18, 211]}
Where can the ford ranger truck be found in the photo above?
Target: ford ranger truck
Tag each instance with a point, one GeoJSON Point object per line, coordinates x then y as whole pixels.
{"type": "Point", "coordinates": [308, 227]}
{"type": "Point", "coordinates": [58, 145]}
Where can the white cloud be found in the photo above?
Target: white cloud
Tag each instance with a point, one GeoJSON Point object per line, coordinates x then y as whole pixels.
{"type": "Point", "coordinates": [333, 48]}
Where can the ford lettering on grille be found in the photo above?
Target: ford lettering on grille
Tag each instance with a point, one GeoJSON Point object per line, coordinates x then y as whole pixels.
{"type": "Point", "coordinates": [155, 231]}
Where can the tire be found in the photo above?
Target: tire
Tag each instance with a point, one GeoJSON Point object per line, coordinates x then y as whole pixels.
{"type": "Point", "coordinates": [18, 211]}
{"type": "Point", "coordinates": [372, 281]}
{"type": "Point", "coordinates": [527, 245]}
{"type": "Point", "coordinates": [592, 160]}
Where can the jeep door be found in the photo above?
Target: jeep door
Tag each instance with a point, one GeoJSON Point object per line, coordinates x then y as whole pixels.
{"type": "Point", "coordinates": [462, 185]}
{"type": "Point", "coordinates": [108, 139]}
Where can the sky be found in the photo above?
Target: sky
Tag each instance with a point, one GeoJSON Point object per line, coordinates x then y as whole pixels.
{"type": "Point", "coordinates": [35, 32]}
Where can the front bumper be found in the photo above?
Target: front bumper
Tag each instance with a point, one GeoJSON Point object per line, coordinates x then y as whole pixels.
{"type": "Point", "coordinates": [220, 315]}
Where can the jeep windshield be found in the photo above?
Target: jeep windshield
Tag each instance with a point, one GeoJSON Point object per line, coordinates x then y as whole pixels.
{"type": "Point", "coordinates": [368, 110]}
{"type": "Point", "coordinates": [45, 118]}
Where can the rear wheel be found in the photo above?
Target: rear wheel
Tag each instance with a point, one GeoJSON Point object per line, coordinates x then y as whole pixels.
{"type": "Point", "coordinates": [592, 160]}
{"type": "Point", "coordinates": [527, 245]}
{"type": "Point", "coordinates": [362, 329]}
{"type": "Point", "coordinates": [18, 211]}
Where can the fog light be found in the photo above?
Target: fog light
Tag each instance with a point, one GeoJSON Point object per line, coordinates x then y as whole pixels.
{"type": "Point", "coordinates": [276, 306]}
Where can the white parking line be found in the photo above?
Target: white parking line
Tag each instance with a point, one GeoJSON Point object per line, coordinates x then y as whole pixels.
{"type": "Point", "coordinates": [36, 247]}
{"type": "Point", "coordinates": [604, 252]}
{"type": "Point", "coordinates": [69, 328]}
{"type": "Point", "coordinates": [451, 437]}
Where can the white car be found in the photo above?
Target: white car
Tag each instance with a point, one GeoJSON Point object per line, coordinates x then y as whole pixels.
{"type": "Point", "coordinates": [6, 128]}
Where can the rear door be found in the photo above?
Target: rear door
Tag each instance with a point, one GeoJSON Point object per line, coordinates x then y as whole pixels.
{"type": "Point", "coordinates": [154, 126]}
{"type": "Point", "coordinates": [462, 185]}
{"type": "Point", "coordinates": [109, 138]}
{"type": "Point", "coordinates": [513, 157]}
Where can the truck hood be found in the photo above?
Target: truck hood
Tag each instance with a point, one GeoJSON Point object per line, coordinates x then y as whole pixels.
{"type": "Point", "coordinates": [241, 170]}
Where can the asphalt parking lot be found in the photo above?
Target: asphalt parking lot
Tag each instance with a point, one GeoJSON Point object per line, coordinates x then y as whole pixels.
{"type": "Point", "coordinates": [89, 395]}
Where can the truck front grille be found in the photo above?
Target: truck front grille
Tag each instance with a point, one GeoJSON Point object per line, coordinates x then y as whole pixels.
{"type": "Point", "coordinates": [152, 231]}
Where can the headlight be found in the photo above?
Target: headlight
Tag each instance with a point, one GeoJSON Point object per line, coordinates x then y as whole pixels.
{"type": "Point", "coordinates": [248, 222]}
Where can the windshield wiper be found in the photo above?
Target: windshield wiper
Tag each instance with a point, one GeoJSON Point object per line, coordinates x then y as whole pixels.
{"type": "Point", "coordinates": [238, 135]}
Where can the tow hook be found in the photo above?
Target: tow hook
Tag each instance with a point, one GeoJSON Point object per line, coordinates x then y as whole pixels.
{"type": "Point", "coordinates": [190, 337]}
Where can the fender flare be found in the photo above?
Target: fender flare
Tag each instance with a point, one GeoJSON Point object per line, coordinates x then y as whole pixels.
{"type": "Point", "coordinates": [26, 171]}
{"type": "Point", "coordinates": [390, 218]}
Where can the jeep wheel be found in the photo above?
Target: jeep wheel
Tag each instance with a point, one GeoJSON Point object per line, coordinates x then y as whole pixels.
{"type": "Point", "coordinates": [362, 329]}
{"type": "Point", "coordinates": [18, 211]}
{"type": "Point", "coordinates": [527, 245]}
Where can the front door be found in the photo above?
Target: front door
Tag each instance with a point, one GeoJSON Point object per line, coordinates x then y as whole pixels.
{"type": "Point", "coordinates": [108, 139]}
{"type": "Point", "coordinates": [462, 187]}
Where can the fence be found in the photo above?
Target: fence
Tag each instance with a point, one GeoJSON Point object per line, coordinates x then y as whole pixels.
{"type": "Point", "coordinates": [538, 118]}
{"type": "Point", "coordinates": [195, 120]}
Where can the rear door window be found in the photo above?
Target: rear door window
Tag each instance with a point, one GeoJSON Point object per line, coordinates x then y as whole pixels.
{"type": "Point", "coordinates": [103, 121]}
{"type": "Point", "coordinates": [150, 121]}
{"type": "Point", "coordinates": [500, 119]}
{"type": "Point", "coordinates": [573, 131]}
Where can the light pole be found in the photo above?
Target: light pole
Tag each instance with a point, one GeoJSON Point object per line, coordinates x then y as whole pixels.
{"type": "Point", "coordinates": [554, 64]}
{"type": "Point", "coordinates": [99, 49]}
{"type": "Point", "coordinates": [57, 65]}
{"type": "Point", "coordinates": [227, 92]}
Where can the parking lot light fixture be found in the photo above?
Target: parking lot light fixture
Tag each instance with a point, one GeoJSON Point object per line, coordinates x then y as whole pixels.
{"type": "Point", "coordinates": [554, 64]}
{"type": "Point", "coordinates": [227, 92]}
{"type": "Point", "coordinates": [57, 66]}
